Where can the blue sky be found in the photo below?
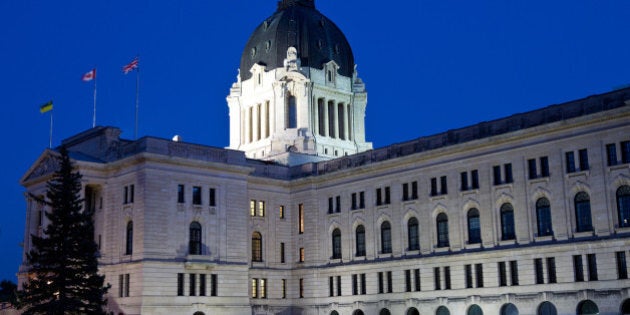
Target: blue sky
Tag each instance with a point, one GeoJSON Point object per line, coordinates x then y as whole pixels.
{"type": "Point", "coordinates": [429, 66]}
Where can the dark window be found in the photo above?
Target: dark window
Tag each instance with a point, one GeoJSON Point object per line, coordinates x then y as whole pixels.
{"type": "Point", "coordinates": [301, 287]}
{"type": "Point", "coordinates": [405, 191]}
{"type": "Point", "coordinates": [625, 152]}
{"type": "Point", "coordinates": [546, 308]}
{"type": "Point", "coordinates": [180, 193]}
{"type": "Point", "coordinates": [212, 197]}
{"type": "Point", "coordinates": [414, 190]}
{"type": "Point", "coordinates": [531, 163]}
{"type": "Point", "coordinates": [282, 258]}
{"type": "Point", "coordinates": [509, 309]}
{"type": "Point", "coordinates": [363, 286]}
{"type": "Point", "coordinates": [502, 274]}
{"type": "Point", "coordinates": [544, 166]}
{"type": "Point", "coordinates": [355, 284]}
{"type": "Point", "coordinates": [570, 161]}
{"type": "Point", "coordinates": [507, 222]}
{"type": "Point", "coordinates": [408, 280]}
{"type": "Point", "coordinates": [436, 278]}
{"type": "Point", "coordinates": [129, 242]}
{"type": "Point", "coordinates": [338, 204]}
{"type": "Point", "coordinates": [379, 197]}
{"type": "Point", "coordinates": [496, 174]}
{"type": "Point", "coordinates": [464, 181]}
{"type": "Point", "coordinates": [202, 285]}
{"type": "Point", "coordinates": [126, 194]}
{"type": "Point", "coordinates": [194, 243]}
{"type": "Point", "coordinates": [442, 310]}
{"type": "Point", "coordinates": [583, 160]}
{"type": "Point", "coordinates": [447, 278]}
{"type": "Point", "coordinates": [468, 276]}
{"type": "Point", "coordinates": [543, 217]}
{"type": "Point", "coordinates": [587, 307]}
{"type": "Point", "coordinates": [292, 114]}
{"type": "Point", "coordinates": [475, 179]}
{"type": "Point", "coordinates": [380, 283]}
{"type": "Point", "coordinates": [256, 247]}
{"type": "Point", "coordinates": [387, 195]}
{"type": "Point", "coordinates": [514, 272]}
{"type": "Point", "coordinates": [433, 186]}
{"type": "Point", "coordinates": [336, 244]}
{"type": "Point", "coordinates": [623, 206]}
{"type": "Point", "coordinates": [361, 200]}
{"type": "Point", "coordinates": [331, 286]}
{"type": "Point", "coordinates": [386, 238]}
{"type": "Point", "coordinates": [578, 269]}
{"type": "Point", "coordinates": [622, 269]}
{"type": "Point", "coordinates": [474, 310]}
{"type": "Point", "coordinates": [126, 285]}
{"type": "Point", "coordinates": [389, 282]}
{"type": "Point", "coordinates": [416, 276]}
{"type": "Point", "coordinates": [443, 186]}
{"type": "Point", "coordinates": [592, 267]}
{"type": "Point", "coordinates": [442, 230]}
{"type": "Point", "coordinates": [330, 205]}
{"type": "Point", "coordinates": [360, 239]}
{"type": "Point", "coordinates": [538, 268]}
{"type": "Point", "coordinates": [551, 270]}
{"type": "Point", "coordinates": [474, 227]}
{"type": "Point", "coordinates": [412, 234]}
{"type": "Point", "coordinates": [479, 275]}
{"type": "Point", "coordinates": [611, 154]}
{"type": "Point", "coordinates": [213, 285]}
{"type": "Point", "coordinates": [583, 212]}
{"type": "Point", "coordinates": [192, 284]}
{"type": "Point", "coordinates": [180, 284]}
{"type": "Point", "coordinates": [338, 285]}
{"type": "Point", "coordinates": [354, 201]}
{"type": "Point", "coordinates": [508, 173]}
{"type": "Point", "coordinates": [196, 191]}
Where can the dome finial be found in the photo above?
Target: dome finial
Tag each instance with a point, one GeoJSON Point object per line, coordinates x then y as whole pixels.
{"type": "Point", "coordinates": [283, 4]}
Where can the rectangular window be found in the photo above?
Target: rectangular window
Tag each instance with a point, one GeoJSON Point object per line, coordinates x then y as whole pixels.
{"type": "Point", "coordinates": [338, 204]}
{"type": "Point", "coordinates": [301, 219]}
{"type": "Point", "coordinates": [192, 284]}
{"type": "Point", "coordinates": [622, 269]}
{"type": "Point", "coordinates": [389, 282]}
{"type": "Point", "coordinates": [330, 205]}
{"type": "Point", "coordinates": [284, 288]}
{"type": "Point", "coordinates": [301, 254]}
{"type": "Point", "coordinates": [379, 197]}
{"type": "Point", "coordinates": [252, 208]}
{"type": "Point", "coordinates": [128, 192]}
{"type": "Point", "coordinates": [496, 174]}
{"type": "Point", "coordinates": [475, 179]}
{"type": "Point", "coordinates": [354, 201]}
{"type": "Point", "coordinates": [405, 191]}
{"type": "Point", "coordinates": [261, 208]}
{"type": "Point", "coordinates": [131, 193]}
{"type": "Point", "coordinates": [592, 267]}
{"type": "Point", "coordinates": [578, 269]}
{"type": "Point", "coordinates": [538, 268]}
{"type": "Point", "coordinates": [282, 253]}
{"type": "Point", "coordinates": [416, 280]}
{"type": "Point", "coordinates": [434, 186]}
{"type": "Point", "coordinates": [468, 276]}
{"type": "Point", "coordinates": [126, 285]}
{"type": "Point", "coordinates": [408, 280]}
{"type": "Point", "coordinates": [180, 193]}
{"type": "Point", "coordinates": [514, 272]}
{"type": "Point", "coordinates": [625, 152]}
{"type": "Point", "coordinates": [551, 270]}
{"type": "Point", "coordinates": [508, 173]}
{"type": "Point", "coordinates": [281, 210]}
{"type": "Point", "coordinates": [263, 288]}
{"type": "Point", "coordinates": [570, 161]}
{"type": "Point", "coordinates": [301, 287]}
{"type": "Point", "coordinates": [202, 285]}
{"type": "Point", "coordinates": [380, 282]}
{"type": "Point", "coordinates": [583, 159]}
{"type": "Point", "coordinates": [544, 166]}
{"type": "Point", "coordinates": [443, 187]}
{"type": "Point", "coordinates": [447, 278]}
{"type": "Point", "coordinates": [338, 285]}
{"type": "Point", "coordinates": [363, 286]}
{"type": "Point", "coordinates": [361, 200]}
{"type": "Point", "coordinates": [531, 166]}
{"type": "Point", "coordinates": [212, 197]}
{"type": "Point", "coordinates": [479, 275]}
{"type": "Point", "coordinates": [436, 278]}
{"type": "Point", "coordinates": [355, 284]}
{"type": "Point", "coordinates": [196, 195]}
{"type": "Point", "coordinates": [180, 284]}
{"type": "Point", "coordinates": [254, 285]}
{"type": "Point", "coordinates": [121, 285]}
{"type": "Point", "coordinates": [213, 285]}
{"type": "Point", "coordinates": [414, 190]}
{"type": "Point", "coordinates": [331, 286]}
{"type": "Point", "coordinates": [502, 274]}
{"type": "Point", "coordinates": [611, 154]}
{"type": "Point", "coordinates": [464, 181]}
{"type": "Point", "coordinates": [387, 195]}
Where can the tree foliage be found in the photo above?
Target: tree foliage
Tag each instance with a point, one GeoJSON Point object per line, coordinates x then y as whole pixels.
{"type": "Point", "coordinates": [63, 277]}
{"type": "Point", "coordinates": [8, 291]}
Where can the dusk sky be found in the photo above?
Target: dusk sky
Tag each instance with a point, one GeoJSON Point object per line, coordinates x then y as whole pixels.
{"type": "Point", "coordinates": [428, 66]}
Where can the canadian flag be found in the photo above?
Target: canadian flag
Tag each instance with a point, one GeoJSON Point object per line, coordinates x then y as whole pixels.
{"type": "Point", "coordinates": [89, 76]}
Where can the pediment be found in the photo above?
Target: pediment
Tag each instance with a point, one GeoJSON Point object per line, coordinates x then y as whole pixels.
{"type": "Point", "coordinates": [45, 165]}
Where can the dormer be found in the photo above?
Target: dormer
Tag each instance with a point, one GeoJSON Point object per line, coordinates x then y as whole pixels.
{"type": "Point", "coordinates": [331, 69]}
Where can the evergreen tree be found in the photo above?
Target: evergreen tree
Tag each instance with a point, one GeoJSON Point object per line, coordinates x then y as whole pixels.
{"type": "Point", "coordinates": [8, 291]}
{"type": "Point", "coordinates": [63, 263]}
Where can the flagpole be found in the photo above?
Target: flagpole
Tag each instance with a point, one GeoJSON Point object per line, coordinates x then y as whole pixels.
{"type": "Point", "coordinates": [94, 116]}
{"type": "Point", "coordinates": [137, 99]}
{"type": "Point", "coordinates": [51, 129]}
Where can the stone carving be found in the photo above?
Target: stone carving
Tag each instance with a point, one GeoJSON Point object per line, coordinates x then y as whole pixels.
{"type": "Point", "coordinates": [48, 165]}
{"type": "Point", "coordinates": [292, 62]}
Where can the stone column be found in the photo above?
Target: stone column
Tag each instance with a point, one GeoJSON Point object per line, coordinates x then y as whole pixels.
{"type": "Point", "coordinates": [326, 128]}
{"type": "Point", "coordinates": [336, 119]}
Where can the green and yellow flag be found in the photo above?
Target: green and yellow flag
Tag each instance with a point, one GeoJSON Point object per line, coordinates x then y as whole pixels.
{"type": "Point", "coordinates": [46, 107]}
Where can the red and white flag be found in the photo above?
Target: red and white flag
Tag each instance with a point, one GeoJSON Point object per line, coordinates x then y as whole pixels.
{"type": "Point", "coordinates": [130, 66]}
{"type": "Point", "coordinates": [89, 76]}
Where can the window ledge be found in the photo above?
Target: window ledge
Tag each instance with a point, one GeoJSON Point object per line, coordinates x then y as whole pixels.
{"type": "Point", "coordinates": [507, 242]}
{"type": "Point", "coordinates": [544, 238]}
{"type": "Point", "coordinates": [336, 260]}
{"type": "Point", "coordinates": [618, 167]}
{"type": "Point", "coordinates": [473, 246]}
{"type": "Point", "coordinates": [441, 249]}
{"type": "Point", "coordinates": [504, 186]}
{"type": "Point", "coordinates": [413, 252]}
{"type": "Point", "coordinates": [385, 255]}
{"type": "Point", "coordinates": [469, 192]}
{"type": "Point", "coordinates": [583, 234]}
{"type": "Point", "coordinates": [437, 197]}
{"type": "Point", "coordinates": [622, 229]}
{"type": "Point", "coordinates": [578, 174]}
{"type": "Point", "coordinates": [409, 201]}
{"type": "Point", "coordinates": [539, 180]}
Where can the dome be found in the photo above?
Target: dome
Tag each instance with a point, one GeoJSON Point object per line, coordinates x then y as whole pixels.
{"type": "Point", "coordinates": [297, 23]}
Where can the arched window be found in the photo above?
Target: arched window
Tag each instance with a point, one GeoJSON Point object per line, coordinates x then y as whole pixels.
{"type": "Point", "coordinates": [336, 244]}
{"type": "Point", "coordinates": [334, 313]}
{"type": "Point", "coordinates": [384, 312]}
{"type": "Point", "coordinates": [474, 310]}
{"type": "Point", "coordinates": [199, 313]}
{"type": "Point", "coordinates": [546, 308]}
{"type": "Point", "coordinates": [442, 230]}
{"type": "Point", "coordinates": [413, 311]}
{"type": "Point", "coordinates": [625, 307]}
{"type": "Point", "coordinates": [623, 206]}
{"type": "Point", "coordinates": [386, 238]}
{"type": "Point", "coordinates": [583, 212]}
{"type": "Point", "coordinates": [358, 312]}
{"type": "Point", "coordinates": [442, 310]}
{"type": "Point", "coordinates": [360, 239]}
{"type": "Point", "coordinates": [291, 112]}
{"type": "Point", "coordinates": [509, 309]}
{"type": "Point", "coordinates": [587, 307]}
{"type": "Point", "coordinates": [543, 217]}
{"type": "Point", "coordinates": [256, 246]}
{"type": "Point", "coordinates": [412, 234]}
{"type": "Point", "coordinates": [474, 227]}
{"type": "Point", "coordinates": [507, 222]}
{"type": "Point", "coordinates": [129, 239]}
{"type": "Point", "coordinates": [194, 243]}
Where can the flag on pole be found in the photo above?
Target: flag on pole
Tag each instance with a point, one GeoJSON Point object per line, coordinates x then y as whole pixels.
{"type": "Point", "coordinates": [46, 107]}
{"type": "Point", "coordinates": [89, 76]}
{"type": "Point", "coordinates": [131, 66]}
